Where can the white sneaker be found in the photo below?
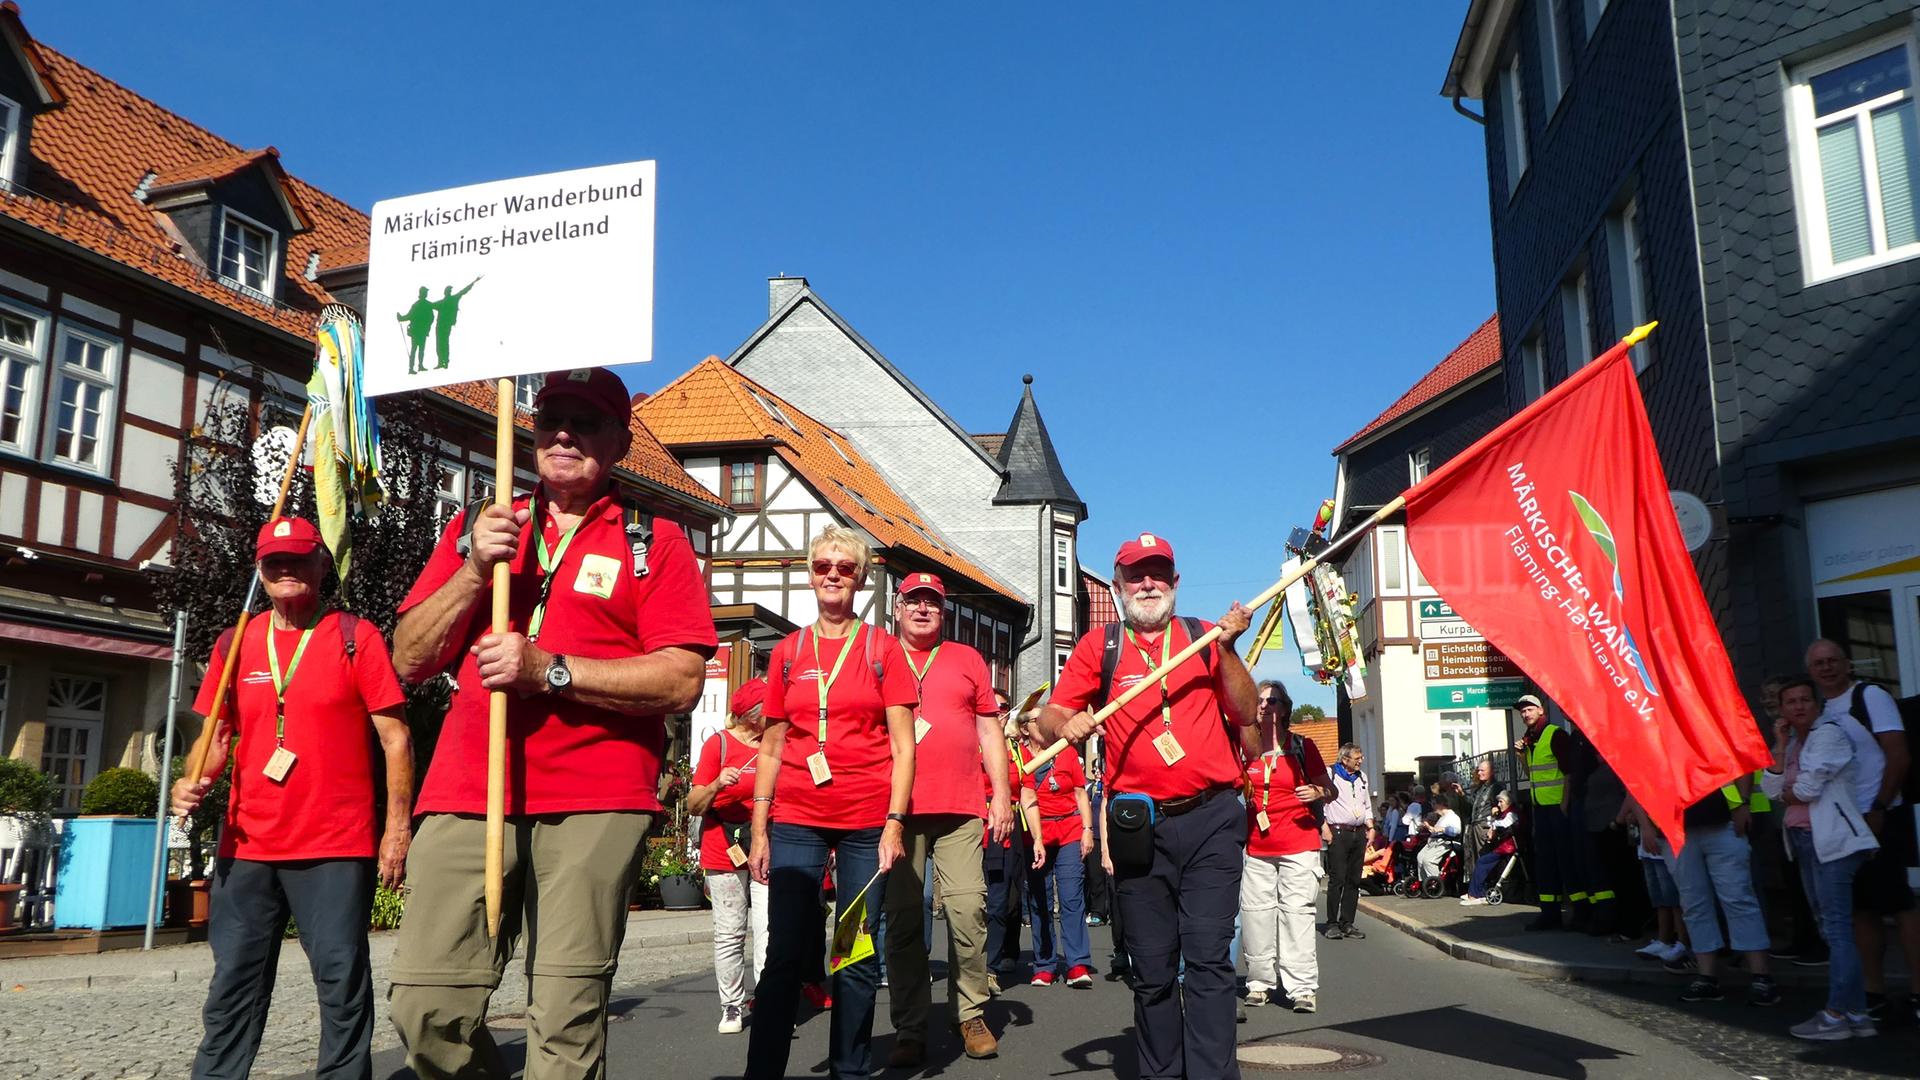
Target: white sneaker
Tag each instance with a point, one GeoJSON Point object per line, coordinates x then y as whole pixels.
{"type": "Point", "coordinates": [1653, 950]}
{"type": "Point", "coordinates": [1472, 901]}
{"type": "Point", "coordinates": [1674, 952]}
{"type": "Point", "coordinates": [730, 1020]}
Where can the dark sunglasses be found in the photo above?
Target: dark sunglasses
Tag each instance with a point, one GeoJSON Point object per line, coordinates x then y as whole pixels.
{"type": "Point", "coordinates": [822, 568]}
{"type": "Point", "coordinates": [585, 423]}
{"type": "Point", "coordinates": [1273, 702]}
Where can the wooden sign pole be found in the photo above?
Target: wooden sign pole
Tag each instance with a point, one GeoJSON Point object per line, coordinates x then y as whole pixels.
{"type": "Point", "coordinates": [197, 758]}
{"type": "Point", "coordinates": [497, 703]}
{"type": "Point", "coordinates": [1207, 638]}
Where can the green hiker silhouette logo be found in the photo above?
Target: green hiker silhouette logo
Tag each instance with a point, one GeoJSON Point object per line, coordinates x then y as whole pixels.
{"type": "Point", "coordinates": [437, 317]}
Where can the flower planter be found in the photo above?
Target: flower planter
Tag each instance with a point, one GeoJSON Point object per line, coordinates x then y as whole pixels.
{"type": "Point", "coordinates": [681, 892]}
{"type": "Point", "coordinates": [106, 865]}
{"type": "Point", "coordinates": [188, 902]}
{"type": "Point", "coordinates": [9, 899]}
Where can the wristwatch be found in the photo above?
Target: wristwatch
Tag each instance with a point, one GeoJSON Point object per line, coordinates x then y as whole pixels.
{"type": "Point", "coordinates": [558, 675]}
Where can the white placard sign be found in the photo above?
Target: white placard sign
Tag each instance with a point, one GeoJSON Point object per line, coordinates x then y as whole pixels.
{"type": "Point", "coordinates": [511, 277]}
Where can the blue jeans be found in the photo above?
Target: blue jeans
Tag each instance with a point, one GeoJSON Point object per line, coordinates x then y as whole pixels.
{"type": "Point", "coordinates": [1004, 868]}
{"type": "Point", "coordinates": [1484, 868]}
{"type": "Point", "coordinates": [1064, 871]}
{"type": "Point", "coordinates": [799, 856]}
{"type": "Point", "coordinates": [1716, 866]}
{"type": "Point", "coordinates": [1830, 886]}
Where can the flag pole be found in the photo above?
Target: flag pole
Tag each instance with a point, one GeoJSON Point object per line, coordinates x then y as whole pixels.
{"type": "Point", "coordinates": [497, 702]}
{"type": "Point", "coordinates": [1207, 638]}
{"type": "Point", "coordinates": [197, 758]}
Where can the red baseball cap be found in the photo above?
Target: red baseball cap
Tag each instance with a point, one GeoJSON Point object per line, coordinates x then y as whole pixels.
{"type": "Point", "coordinates": [751, 693]}
{"type": "Point", "coordinates": [599, 388]}
{"type": "Point", "coordinates": [929, 582]}
{"type": "Point", "coordinates": [286, 536]}
{"type": "Point", "coordinates": [1144, 546]}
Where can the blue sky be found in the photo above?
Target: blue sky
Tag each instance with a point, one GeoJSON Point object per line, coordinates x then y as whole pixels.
{"type": "Point", "coordinates": [1221, 237]}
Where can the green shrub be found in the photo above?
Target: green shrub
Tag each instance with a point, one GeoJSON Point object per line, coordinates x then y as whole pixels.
{"type": "Point", "coordinates": [128, 792]}
{"type": "Point", "coordinates": [25, 791]}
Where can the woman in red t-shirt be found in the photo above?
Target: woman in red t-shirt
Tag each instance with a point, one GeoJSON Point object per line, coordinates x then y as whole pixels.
{"type": "Point", "coordinates": [1054, 801]}
{"type": "Point", "coordinates": [835, 774]}
{"type": "Point", "coordinates": [722, 795]}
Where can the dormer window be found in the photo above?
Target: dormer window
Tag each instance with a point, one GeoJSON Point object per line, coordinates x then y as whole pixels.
{"type": "Point", "coordinates": [9, 140]}
{"type": "Point", "coordinates": [247, 250]}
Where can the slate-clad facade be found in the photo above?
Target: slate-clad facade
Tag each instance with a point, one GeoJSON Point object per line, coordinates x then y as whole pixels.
{"type": "Point", "coordinates": [1670, 181]}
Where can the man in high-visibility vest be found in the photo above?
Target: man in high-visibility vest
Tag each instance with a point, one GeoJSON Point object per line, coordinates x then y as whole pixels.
{"type": "Point", "coordinates": [1552, 835]}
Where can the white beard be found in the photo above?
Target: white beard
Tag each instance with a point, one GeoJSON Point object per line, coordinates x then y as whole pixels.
{"type": "Point", "coordinates": [1147, 616]}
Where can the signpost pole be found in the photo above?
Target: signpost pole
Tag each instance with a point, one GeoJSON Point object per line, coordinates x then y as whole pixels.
{"type": "Point", "coordinates": [497, 703]}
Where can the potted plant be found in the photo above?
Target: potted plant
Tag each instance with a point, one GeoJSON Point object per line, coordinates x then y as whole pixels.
{"type": "Point", "coordinates": [26, 803]}
{"type": "Point", "coordinates": [672, 867]}
{"type": "Point", "coordinates": [188, 897]}
{"type": "Point", "coordinates": [107, 856]}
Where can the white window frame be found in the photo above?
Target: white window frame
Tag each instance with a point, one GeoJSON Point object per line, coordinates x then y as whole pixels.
{"type": "Point", "coordinates": [1060, 662]}
{"type": "Point", "coordinates": [60, 373]}
{"type": "Point", "coordinates": [34, 362]}
{"type": "Point", "coordinates": [1419, 463]}
{"type": "Point", "coordinates": [267, 279]}
{"type": "Point", "coordinates": [1576, 315]}
{"type": "Point", "coordinates": [450, 497]}
{"type": "Point", "coordinates": [1392, 559]}
{"type": "Point", "coordinates": [1533, 369]}
{"type": "Point", "coordinates": [9, 139]}
{"type": "Point", "coordinates": [1553, 73]}
{"type": "Point", "coordinates": [1063, 567]}
{"type": "Point", "coordinates": [1810, 201]}
{"type": "Point", "coordinates": [1626, 251]}
{"type": "Point", "coordinates": [525, 389]}
{"type": "Point", "coordinates": [1513, 122]}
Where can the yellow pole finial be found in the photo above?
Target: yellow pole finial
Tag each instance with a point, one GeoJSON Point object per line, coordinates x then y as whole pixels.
{"type": "Point", "coordinates": [1640, 333]}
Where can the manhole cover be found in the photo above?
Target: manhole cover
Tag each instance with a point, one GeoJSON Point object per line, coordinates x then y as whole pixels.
{"type": "Point", "coordinates": [1304, 1057]}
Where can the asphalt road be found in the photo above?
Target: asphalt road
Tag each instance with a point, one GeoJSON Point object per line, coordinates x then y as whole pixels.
{"type": "Point", "coordinates": [1392, 1005]}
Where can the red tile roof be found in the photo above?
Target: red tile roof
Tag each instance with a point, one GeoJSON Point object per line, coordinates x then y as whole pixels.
{"type": "Point", "coordinates": [715, 404]}
{"type": "Point", "coordinates": [1479, 352]}
{"type": "Point", "coordinates": [646, 458]}
{"type": "Point", "coordinates": [88, 156]}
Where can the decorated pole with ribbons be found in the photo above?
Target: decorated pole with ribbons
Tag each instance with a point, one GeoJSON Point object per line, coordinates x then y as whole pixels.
{"type": "Point", "coordinates": [1272, 591]}
{"type": "Point", "coordinates": [481, 280]}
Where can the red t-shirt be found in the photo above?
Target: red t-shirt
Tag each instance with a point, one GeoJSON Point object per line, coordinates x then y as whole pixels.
{"type": "Point", "coordinates": [956, 691]}
{"type": "Point", "coordinates": [1291, 827]}
{"type": "Point", "coordinates": [859, 751]}
{"type": "Point", "coordinates": [732, 805]}
{"type": "Point", "coordinates": [1194, 688]}
{"type": "Point", "coordinates": [1053, 787]}
{"type": "Point", "coordinates": [324, 808]}
{"type": "Point", "coordinates": [565, 755]}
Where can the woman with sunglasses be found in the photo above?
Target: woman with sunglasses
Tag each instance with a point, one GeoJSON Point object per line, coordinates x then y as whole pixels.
{"type": "Point", "coordinates": [835, 775]}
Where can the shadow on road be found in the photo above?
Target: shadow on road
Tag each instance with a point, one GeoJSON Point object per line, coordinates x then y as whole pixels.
{"type": "Point", "coordinates": [1460, 1032]}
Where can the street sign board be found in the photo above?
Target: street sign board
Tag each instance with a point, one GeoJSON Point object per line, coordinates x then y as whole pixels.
{"type": "Point", "coordinates": [1466, 660]}
{"type": "Point", "coordinates": [1436, 609]}
{"type": "Point", "coordinates": [1491, 694]}
{"type": "Point", "coordinates": [1449, 630]}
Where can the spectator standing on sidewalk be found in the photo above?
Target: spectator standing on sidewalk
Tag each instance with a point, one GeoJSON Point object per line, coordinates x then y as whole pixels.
{"type": "Point", "coordinates": [1669, 944]}
{"type": "Point", "coordinates": [1349, 814]}
{"type": "Point", "coordinates": [1773, 861]}
{"type": "Point", "coordinates": [1281, 881]}
{"type": "Point", "coordinates": [1871, 718]}
{"type": "Point", "coordinates": [1179, 744]}
{"type": "Point", "coordinates": [1714, 872]}
{"type": "Point", "coordinates": [1812, 776]}
{"type": "Point", "coordinates": [721, 795]}
{"type": "Point", "coordinates": [1552, 833]}
{"type": "Point", "coordinates": [313, 692]}
{"type": "Point", "coordinates": [1478, 811]}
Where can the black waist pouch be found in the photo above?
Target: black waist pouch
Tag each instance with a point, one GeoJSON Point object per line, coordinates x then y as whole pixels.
{"type": "Point", "coordinates": [1130, 822]}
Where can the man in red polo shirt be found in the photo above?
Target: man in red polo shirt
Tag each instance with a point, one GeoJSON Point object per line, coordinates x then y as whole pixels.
{"type": "Point", "coordinates": [609, 632]}
{"type": "Point", "coordinates": [300, 832]}
{"type": "Point", "coordinates": [956, 730]}
{"type": "Point", "coordinates": [1176, 743]}
{"type": "Point", "coordinates": [1281, 882]}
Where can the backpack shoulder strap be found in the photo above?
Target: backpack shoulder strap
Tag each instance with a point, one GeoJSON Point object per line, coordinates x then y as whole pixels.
{"type": "Point", "coordinates": [1193, 634]}
{"type": "Point", "coordinates": [639, 529]}
{"type": "Point", "coordinates": [1858, 707]}
{"type": "Point", "coordinates": [1109, 660]}
{"type": "Point", "coordinates": [349, 632]}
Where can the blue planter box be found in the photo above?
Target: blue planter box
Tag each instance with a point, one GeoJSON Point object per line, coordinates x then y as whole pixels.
{"type": "Point", "coordinates": [105, 867]}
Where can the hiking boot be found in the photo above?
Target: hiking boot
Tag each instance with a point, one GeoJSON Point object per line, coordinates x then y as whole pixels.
{"type": "Point", "coordinates": [908, 1053]}
{"type": "Point", "coordinates": [979, 1042]}
{"type": "Point", "coordinates": [1703, 989]}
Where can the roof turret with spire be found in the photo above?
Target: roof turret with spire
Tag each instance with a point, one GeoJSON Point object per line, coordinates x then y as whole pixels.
{"type": "Point", "coordinates": [1031, 464]}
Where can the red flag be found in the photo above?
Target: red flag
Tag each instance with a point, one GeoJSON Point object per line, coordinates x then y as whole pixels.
{"type": "Point", "coordinates": [1555, 536]}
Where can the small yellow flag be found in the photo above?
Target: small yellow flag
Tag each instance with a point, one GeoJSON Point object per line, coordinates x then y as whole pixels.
{"type": "Point", "coordinates": [851, 941]}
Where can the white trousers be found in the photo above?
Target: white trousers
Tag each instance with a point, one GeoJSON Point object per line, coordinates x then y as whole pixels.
{"type": "Point", "coordinates": [1277, 898]}
{"type": "Point", "coordinates": [739, 902]}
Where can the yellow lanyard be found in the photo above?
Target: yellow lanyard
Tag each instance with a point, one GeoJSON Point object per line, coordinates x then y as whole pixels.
{"type": "Point", "coordinates": [280, 681]}
{"type": "Point", "coordinates": [919, 673]}
{"type": "Point", "coordinates": [548, 563]}
{"type": "Point", "coordinates": [825, 682]}
{"type": "Point", "coordinates": [1166, 644]}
